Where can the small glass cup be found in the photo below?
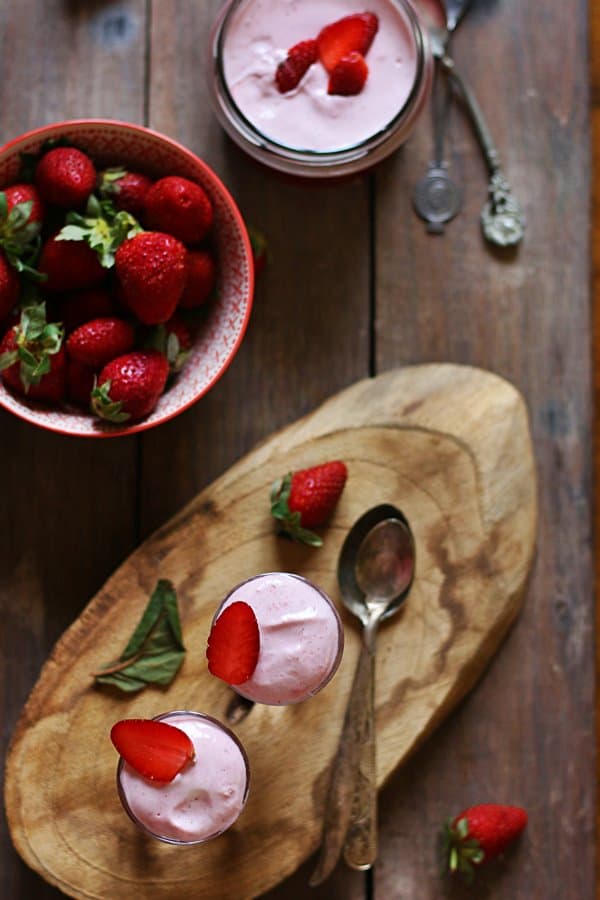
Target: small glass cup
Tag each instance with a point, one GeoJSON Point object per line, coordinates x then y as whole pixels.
{"type": "Point", "coordinates": [317, 164]}
{"type": "Point", "coordinates": [301, 638]}
{"type": "Point", "coordinates": [158, 797]}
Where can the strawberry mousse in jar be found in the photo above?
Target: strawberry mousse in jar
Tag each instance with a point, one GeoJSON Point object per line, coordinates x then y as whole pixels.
{"type": "Point", "coordinates": [319, 88]}
{"type": "Point", "coordinates": [276, 639]}
{"type": "Point", "coordinates": [183, 784]}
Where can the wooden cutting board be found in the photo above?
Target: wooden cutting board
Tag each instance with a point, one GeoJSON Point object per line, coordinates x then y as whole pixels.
{"type": "Point", "coordinates": [448, 445]}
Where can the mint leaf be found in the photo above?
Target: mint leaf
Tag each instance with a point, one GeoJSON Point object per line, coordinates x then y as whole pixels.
{"type": "Point", "coordinates": [155, 650]}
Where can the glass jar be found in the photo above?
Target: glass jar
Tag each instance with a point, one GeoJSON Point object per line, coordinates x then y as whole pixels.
{"type": "Point", "coordinates": [252, 124]}
{"type": "Point", "coordinates": [204, 799]}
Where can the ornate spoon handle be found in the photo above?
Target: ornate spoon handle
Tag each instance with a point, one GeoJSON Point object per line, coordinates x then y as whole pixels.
{"type": "Point", "coordinates": [338, 804]}
{"type": "Point", "coordinates": [502, 219]}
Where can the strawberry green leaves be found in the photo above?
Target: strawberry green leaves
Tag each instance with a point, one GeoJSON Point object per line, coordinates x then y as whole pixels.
{"type": "Point", "coordinates": [102, 228]}
{"type": "Point", "coordinates": [155, 650]}
{"type": "Point", "coordinates": [20, 236]}
{"type": "Point", "coordinates": [36, 341]}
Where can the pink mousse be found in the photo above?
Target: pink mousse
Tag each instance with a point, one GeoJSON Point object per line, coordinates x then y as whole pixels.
{"type": "Point", "coordinates": [204, 799]}
{"type": "Point", "coordinates": [301, 638]}
{"type": "Point", "coordinates": [258, 36]}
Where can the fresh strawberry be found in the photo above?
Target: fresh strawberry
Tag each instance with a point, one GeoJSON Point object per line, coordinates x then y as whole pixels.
{"type": "Point", "coordinates": [294, 67]}
{"type": "Point", "coordinates": [69, 266]}
{"type": "Point", "coordinates": [97, 342]}
{"type": "Point", "coordinates": [129, 387]}
{"type": "Point", "coordinates": [234, 644]}
{"type": "Point", "coordinates": [479, 834]}
{"type": "Point", "coordinates": [9, 287]}
{"type": "Point", "coordinates": [127, 190]}
{"type": "Point", "coordinates": [354, 32]}
{"type": "Point", "coordinates": [65, 177]}
{"type": "Point", "coordinates": [18, 194]}
{"type": "Point", "coordinates": [349, 76]}
{"type": "Point", "coordinates": [156, 750]}
{"type": "Point", "coordinates": [80, 383]}
{"type": "Point", "coordinates": [260, 250]}
{"type": "Point", "coordinates": [200, 278]}
{"type": "Point", "coordinates": [151, 270]}
{"type": "Point", "coordinates": [174, 339]}
{"type": "Point", "coordinates": [180, 207]}
{"type": "Point", "coordinates": [82, 306]}
{"type": "Point", "coordinates": [306, 499]}
{"type": "Point", "coordinates": [32, 357]}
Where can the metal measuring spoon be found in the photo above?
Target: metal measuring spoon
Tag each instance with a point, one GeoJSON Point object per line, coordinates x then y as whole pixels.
{"type": "Point", "coordinates": [437, 198]}
{"type": "Point", "coordinates": [375, 573]}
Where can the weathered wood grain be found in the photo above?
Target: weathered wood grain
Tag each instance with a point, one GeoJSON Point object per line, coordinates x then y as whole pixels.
{"type": "Point", "coordinates": [69, 506]}
{"type": "Point", "coordinates": [527, 734]}
{"type": "Point", "coordinates": [472, 508]}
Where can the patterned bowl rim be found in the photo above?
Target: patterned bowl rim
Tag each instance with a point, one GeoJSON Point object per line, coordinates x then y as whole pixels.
{"type": "Point", "coordinates": [23, 413]}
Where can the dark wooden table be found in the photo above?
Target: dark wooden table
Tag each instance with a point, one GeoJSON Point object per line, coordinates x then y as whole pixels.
{"type": "Point", "coordinates": [355, 287]}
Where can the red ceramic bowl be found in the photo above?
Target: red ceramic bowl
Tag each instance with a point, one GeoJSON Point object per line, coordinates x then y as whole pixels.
{"type": "Point", "coordinates": [108, 143]}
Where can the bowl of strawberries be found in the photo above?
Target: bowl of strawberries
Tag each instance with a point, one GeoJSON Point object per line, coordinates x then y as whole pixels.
{"type": "Point", "coordinates": [126, 278]}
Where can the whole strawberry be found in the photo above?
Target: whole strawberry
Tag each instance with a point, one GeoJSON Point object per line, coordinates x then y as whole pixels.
{"type": "Point", "coordinates": [18, 194]}
{"type": "Point", "coordinates": [130, 386]}
{"type": "Point", "coordinates": [306, 499]}
{"type": "Point", "coordinates": [180, 207]}
{"type": "Point", "coordinates": [260, 250]}
{"type": "Point", "coordinates": [479, 834]}
{"type": "Point", "coordinates": [65, 177]}
{"type": "Point", "coordinates": [69, 266]}
{"type": "Point", "coordinates": [97, 342]}
{"type": "Point", "coordinates": [200, 279]}
{"type": "Point", "coordinates": [151, 270]}
{"type": "Point", "coordinates": [127, 190]}
{"type": "Point", "coordinates": [32, 357]}
{"type": "Point", "coordinates": [9, 287]}
{"type": "Point", "coordinates": [349, 76]}
{"type": "Point", "coordinates": [82, 306]}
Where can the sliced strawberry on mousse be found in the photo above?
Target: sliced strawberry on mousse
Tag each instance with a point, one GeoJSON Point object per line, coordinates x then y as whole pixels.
{"type": "Point", "coordinates": [155, 750]}
{"type": "Point", "coordinates": [352, 33]}
{"type": "Point", "coordinates": [349, 76]}
{"type": "Point", "coordinates": [234, 644]}
{"type": "Point", "coordinates": [294, 67]}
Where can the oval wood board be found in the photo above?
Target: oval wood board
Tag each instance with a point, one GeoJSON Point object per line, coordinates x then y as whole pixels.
{"type": "Point", "coordinates": [447, 444]}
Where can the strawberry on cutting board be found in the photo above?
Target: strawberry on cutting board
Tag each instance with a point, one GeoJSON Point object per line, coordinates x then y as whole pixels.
{"type": "Point", "coordinates": [130, 386]}
{"type": "Point", "coordinates": [479, 834]}
{"type": "Point", "coordinates": [151, 271]}
{"type": "Point", "coordinates": [156, 750]}
{"type": "Point", "coordinates": [306, 499]}
{"type": "Point", "coordinates": [234, 644]}
{"type": "Point", "coordinates": [352, 33]}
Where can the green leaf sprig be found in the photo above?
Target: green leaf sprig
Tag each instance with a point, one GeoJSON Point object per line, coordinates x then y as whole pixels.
{"type": "Point", "coordinates": [155, 650]}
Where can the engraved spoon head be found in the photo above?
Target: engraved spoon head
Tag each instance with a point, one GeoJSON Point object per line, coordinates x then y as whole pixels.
{"type": "Point", "coordinates": [377, 561]}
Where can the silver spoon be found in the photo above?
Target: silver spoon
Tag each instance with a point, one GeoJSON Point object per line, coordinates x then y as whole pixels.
{"type": "Point", "coordinates": [437, 198]}
{"type": "Point", "coordinates": [375, 573]}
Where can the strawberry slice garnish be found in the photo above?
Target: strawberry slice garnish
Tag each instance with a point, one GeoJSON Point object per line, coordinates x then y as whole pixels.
{"type": "Point", "coordinates": [294, 67]}
{"type": "Point", "coordinates": [234, 644]}
{"type": "Point", "coordinates": [349, 76]}
{"type": "Point", "coordinates": [156, 750]}
{"type": "Point", "coordinates": [352, 33]}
